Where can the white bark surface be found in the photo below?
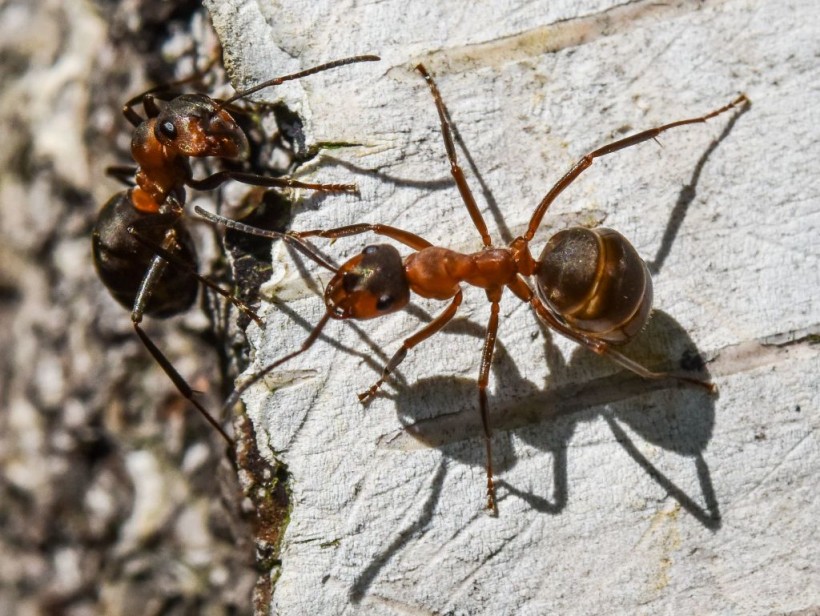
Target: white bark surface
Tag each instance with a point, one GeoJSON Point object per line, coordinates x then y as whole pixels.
{"type": "Point", "coordinates": [615, 495]}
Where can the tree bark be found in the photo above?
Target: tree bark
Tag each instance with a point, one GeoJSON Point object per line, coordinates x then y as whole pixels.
{"type": "Point", "coordinates": [109, 498]}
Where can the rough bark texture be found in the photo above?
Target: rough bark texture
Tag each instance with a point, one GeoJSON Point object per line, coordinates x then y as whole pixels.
{"type": "Point", "coordinates": [112, 497]}
{"type": "Point", "coordinates": [616, 495]}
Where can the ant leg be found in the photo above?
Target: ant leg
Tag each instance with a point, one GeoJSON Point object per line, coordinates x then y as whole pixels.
{"type": "Point", "coordinates": [180, 383]}
{"type": "Point", "coordinates": [626, 142]}
{"type": "Point", "coordinates": [455, 169]}
{"type": "Point", "coordinates": [483, 381]}
{"type": "Point", "coordinates": [619, 358]}
{"type": "Point", "coordinates": [605, 349]}
{"type": "Point", "coordinates": [155, 270]}
{"type": "Point", "coordinates": [420, 336]}
{"type": "Point", "coordinates": [220, 177]}
{"type": "Point", "coordinates": [122, 173]}
{"type": "Point", "coordinates": [187, 267]}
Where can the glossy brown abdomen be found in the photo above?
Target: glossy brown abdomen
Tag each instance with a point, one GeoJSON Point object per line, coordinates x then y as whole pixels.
{"type": "Point", "coordinates": [595, 281]}
{"type": "Point", "coordinates": [122, 260]}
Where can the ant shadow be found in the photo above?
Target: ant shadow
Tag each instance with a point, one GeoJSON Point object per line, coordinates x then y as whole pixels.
{"type": "Point", "coordinates": [687, 196]}
{"type": "Point", "coordinates": [405, 536]}
{"type": "Point", "coordinates": [683, 426]}
{"type": "Point", "coordinates": [387, 178]}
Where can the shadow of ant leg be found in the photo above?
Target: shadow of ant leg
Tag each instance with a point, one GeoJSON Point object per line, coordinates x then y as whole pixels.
{"type": "Point", "coordinates": [604, 349]}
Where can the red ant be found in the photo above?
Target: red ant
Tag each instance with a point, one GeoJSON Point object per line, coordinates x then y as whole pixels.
{"type": "Point", "coordinates": [140, 231]}
{"type": "Point", "coordinates": [590, 284]}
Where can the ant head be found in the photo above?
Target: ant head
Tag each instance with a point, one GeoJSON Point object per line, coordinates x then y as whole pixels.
{"type": "Point", "coordinates": [371, 284]}
{"type": "Point", "coordinates": [195, 125]}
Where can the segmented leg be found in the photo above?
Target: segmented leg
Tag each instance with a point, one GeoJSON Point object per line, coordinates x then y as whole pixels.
{"type": "Point", "coordinates": [255, 378]}
{"type": "Point", "coordinates": [179, 382]}
{"type": "Point", "coordinates": [483, 381]}
{"type": "Point", "coordinates": [615, 146]}
{"type": "Point", "coordinates": [605, 349]}
{"type": "Point", "coordinates": [455, 169]}
{"type": "Point", "coordinates": [187, 267]}
{"type": "Point", "coordinates": [420, 336]}
{"type": "Point", "coordinates": [154, 272]}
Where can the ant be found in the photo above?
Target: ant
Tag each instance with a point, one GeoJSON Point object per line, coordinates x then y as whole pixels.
{"type": "Point", "coordinates": [589, 285]}
{"type": "Point", "coordinates": [141, 231]}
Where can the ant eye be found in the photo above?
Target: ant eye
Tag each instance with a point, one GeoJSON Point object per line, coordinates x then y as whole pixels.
{"type": "Point", "coordinates": [384, 302]}
{"type": "Point", "coordinates": [168, 129]}
{"type": "Point", "coordinates": [370, 250]}
{"type": "Point", "coordinates": [350, 281]}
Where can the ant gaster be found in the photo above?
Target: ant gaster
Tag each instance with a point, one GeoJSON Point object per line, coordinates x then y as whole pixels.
{"type": "Point", "coordinates": [140, 232]}
{"type": "Point", "coordinates": [589, 284]}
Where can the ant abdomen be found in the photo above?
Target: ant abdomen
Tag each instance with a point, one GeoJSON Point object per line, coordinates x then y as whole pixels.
{"type": "Point", "coordinates": [595, 281]}
{"type": "Point", "coordinates": [122, 260]}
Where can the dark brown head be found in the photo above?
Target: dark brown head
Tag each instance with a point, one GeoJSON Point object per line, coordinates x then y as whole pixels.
{"type": "Point", "coordinates": [369, 285]}
{"type": "Point", "coordinates": [195, 125]}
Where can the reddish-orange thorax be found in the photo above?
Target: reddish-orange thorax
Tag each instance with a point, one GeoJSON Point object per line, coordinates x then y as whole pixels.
{"type": "Point", "coordinates": [436, 272]}
{"type": "Point", "coordinates": [160, 169]}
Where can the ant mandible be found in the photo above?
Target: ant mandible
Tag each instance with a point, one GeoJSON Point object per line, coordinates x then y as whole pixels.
{"type": "Point", "coordinates": [590, 284]}
{"type": "Point", "coordinates": [140, 232]}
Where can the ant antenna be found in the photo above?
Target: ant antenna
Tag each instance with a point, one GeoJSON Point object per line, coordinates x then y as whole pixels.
{"type": "Point", "coordinates": [295, 242]}
{"type": "Point", "coordinates": [310, 71]}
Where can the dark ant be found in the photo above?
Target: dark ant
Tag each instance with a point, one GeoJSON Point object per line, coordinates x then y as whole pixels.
{"type": "Point", "coordinates": [590, 284]}
{"type": "Point", "coordinates": [140, 231]}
